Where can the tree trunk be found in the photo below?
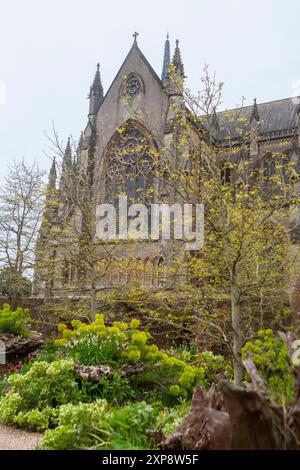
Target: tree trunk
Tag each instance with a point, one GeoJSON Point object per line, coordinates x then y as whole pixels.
{"type": "Point", "coordinates": [237, 334]}
{"type": "Point", "coordinates": [93, 301]}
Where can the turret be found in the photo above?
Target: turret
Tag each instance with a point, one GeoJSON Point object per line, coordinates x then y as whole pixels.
{"type": "Point", "coordinates": [96, 94]}
{"type": "Point", "coordinates": [67, 165]}
{"type": "Point", "coordinates": [166, 62]}
{"type": "Point", "coordinates": [52, 176]}
{"type": "Point", "coordinates": [177, 61]}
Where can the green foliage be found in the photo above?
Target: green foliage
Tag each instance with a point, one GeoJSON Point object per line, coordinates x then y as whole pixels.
{"type": "Point", "coordinates": [14, 322]}
{"type": "Point", "coordinates": [170, 418]}
{"type": "Point", "coordinates": [271, 358]}
{"type": "Point", "coordinates": [116, 389]}
{"type": "Point", "coordinates": [14, 284]}
{"type": "Point", "coordinates": [3, 384]}
{"type": "Point", "coordinates": [76, 425]}
{"type": "Point", "coordinates": [123, 343]}
{"type": "Point", "coordinates": [86, 425]}
{"type": "Point", "coordinates": [185, 353]}
{"type": "Point", "coordinates": [37, 420]}
{"type": "Point", "coordinates": [215, 367]}
{"type": "Point", "coordinates": [47, 352]}
{"type": "Point", "coordinates": [44, 385]}
{"type": "Point", "coordinates": [61, 438]}
{"type": "Point", "coordinates": [122, 428]}
{"type": "Point", "coordinates": [116, 411]}
{"type": "Point", "coordinates": [113, 388]}
{"type": "Point", "coordinates": [10, 405]}
{"type": "Point", "coordinates": [127, 425]}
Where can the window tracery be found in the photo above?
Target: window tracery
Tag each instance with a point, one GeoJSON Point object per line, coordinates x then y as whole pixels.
{"type": "Point", "coordinates": [129, 168]}
{"type": "Point", "coordinates": [133, 85]}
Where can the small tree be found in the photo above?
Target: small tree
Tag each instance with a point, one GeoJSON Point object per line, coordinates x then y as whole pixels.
{"type": "Point", "coordinates": [14, 285]}
{"type": "Point", "coordinates": [246, 253]}
{"type": "Point", "coordinates": [21, 197]}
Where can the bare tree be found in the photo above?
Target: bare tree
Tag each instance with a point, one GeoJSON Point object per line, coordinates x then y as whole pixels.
{"type": "Point", "coordinates": [21, 204]}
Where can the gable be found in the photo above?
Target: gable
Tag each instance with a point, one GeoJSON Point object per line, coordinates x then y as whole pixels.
{"type": "Point", "coordinates": [150, 103]}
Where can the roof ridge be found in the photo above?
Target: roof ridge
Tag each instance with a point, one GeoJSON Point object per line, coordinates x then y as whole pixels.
{"type": "Point", "coordinates": [258, 104]}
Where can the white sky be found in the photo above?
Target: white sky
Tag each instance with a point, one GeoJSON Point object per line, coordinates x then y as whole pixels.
{"type": "Point", "coordinates": [49, 50]}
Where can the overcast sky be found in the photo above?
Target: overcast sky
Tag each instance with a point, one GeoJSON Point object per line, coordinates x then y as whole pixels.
{"type": "Point", "coordinates": [49, 50]}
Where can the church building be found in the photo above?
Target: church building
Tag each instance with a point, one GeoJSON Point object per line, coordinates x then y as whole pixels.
{"type": "Point", "coordinates": [126, 129]}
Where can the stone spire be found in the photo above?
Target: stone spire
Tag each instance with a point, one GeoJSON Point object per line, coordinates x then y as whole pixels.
{"type": "Point", "coordinates": [81, 139]}
{"type": "Point", "coordinates": [96, 93]}
{"type": "Point", "coordinates": [254, 113]}
{"type": "Point", "coordinates": [51, 201]}
{"type": "Point", "coordinates": [254, 132]}
{"type": "Point", "coordinates": [177, 62]}
{"type": "Point", "coordinates": [67, 164]}
{"type": "Point", "coordinates": [67, 160]}
{"type": "Point", "coordinates": [166, 62]}
{"type": "Point", "coordinates": [52, 175]}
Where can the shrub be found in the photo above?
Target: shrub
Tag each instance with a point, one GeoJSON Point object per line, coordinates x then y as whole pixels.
{"type": "Point", "coordinates": [10, 406]}
{"type": "Point", "coordinates": [126, 427]}
{"type": "Point", "coordinates": [170, 418]}
{"type": "Point", "coordinates": [44, 385]}
{"type": "Point", "coordinates": [13, 284]}
{"type": "Point", "coordinates": [122, 428]}
{"type": "Point", "coordinates": [14, 322]}
{"type": "Point", "coordinates": [185, 353]}
{"type": "Point", "coordinates": [47, 352]}
{"type": "Point", "coordinates": [76, 426]}
{"type": "Point", "coordinates": [61, 438]}
{"type": "Point", "coordinates": [122, 343]}
{"type": "Point", "coordinates": [95, 424]}
{"type": "Point", "coordinates": [214, 366]}
{"type": "Point", "coordinates": [271, 358]}
{"type": "Point", "coordinates": [37, 420]}
{"type": "Point", "coordinates": [3, 384]}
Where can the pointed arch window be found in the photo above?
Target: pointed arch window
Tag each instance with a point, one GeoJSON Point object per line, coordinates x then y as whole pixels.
{"type": "Point", "coordinates": [130, 167]}
{"type": "Point", "coordinates": [269, 166]}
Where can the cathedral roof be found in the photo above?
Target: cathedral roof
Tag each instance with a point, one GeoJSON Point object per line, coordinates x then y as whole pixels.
{"type": "Point", "coordinates": [276, 117]}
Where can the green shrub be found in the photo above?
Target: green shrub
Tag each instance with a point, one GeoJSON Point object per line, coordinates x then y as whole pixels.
{"type": "Point", "coordinates": [44, 385]}
{"type": "Point", "coordinates": [61, 438]}
{"type": "Point", "coordinates": [77, 425]}
{"type": "Point", "coordinates": [170, 418]}
{"type": "Point", "coordinates": [37, 420]}
{"type": "Point", "coordinates": [126, 427]}
{"type": "Point", "coordinates": [98, 425]}
{"type": "Point", "coordinates": [14, 285]}
{"type": "Point", "coordinates": [10, 406]}
{"type": "Point", "coordinates": [122, 344]}
{"type": "Point", "coordinates": [214, 366]}
{"type": "Point", "coordinates": [116, 389]}
{"type": "Point", "coordinates": [47, 352]}
{"type": "Point", "coordinates": [185, 353]}
{"type": "Point", "coordinates": [14, 322]}
{"type": "Point", "coordinates": [3, 384]}
{"type": "Point", "coordinates": [271, 358]}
